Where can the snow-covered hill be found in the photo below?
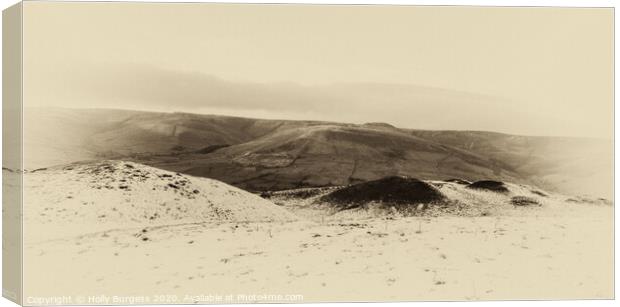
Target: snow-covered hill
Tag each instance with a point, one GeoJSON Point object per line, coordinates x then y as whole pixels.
{"type": "Point", "coordinates": [92, 197]}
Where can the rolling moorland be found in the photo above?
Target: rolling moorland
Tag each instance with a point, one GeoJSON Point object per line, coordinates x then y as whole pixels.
{"type": "Point", "coordinates": [261, 155]}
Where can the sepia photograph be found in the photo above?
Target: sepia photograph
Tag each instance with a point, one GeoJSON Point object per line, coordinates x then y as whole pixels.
{"type": "Point", "coordinates": [221, 153]}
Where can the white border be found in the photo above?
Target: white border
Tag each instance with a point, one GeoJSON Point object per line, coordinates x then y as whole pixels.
{"type": "Point", "coordinates": [562, 3]}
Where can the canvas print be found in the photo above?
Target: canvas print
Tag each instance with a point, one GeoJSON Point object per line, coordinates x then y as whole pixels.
{"type": "Point", "coordinates": [181, 153]}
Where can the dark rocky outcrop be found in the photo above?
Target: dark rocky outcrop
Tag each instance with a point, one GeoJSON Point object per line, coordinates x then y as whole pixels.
{"type": "Point", "coordinates": [489, 185]}
{"type": "Point", "coordinates": [392, 191]}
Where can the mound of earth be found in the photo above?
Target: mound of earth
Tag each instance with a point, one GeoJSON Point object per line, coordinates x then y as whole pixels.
{"type": "Point", "coordinates": [524, 201]}
{"type": "Point", "coordinates": [117, 194]}
{"type": "Point", "coordinates": [589, 200]}
{"type": "Point", "coordinates": [394, 191]}
{"type": "Point", "coordinates": [489, 185]}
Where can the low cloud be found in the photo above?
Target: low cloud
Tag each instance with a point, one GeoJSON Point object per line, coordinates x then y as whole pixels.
{"type": "Point", "coordinates": [148, 88]}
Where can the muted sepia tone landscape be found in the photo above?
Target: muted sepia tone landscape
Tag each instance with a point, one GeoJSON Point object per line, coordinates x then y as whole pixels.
{"type": "Point", "coordinates": [409, 153]}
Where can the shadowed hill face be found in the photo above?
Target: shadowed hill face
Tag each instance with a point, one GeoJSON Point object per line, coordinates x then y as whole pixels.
{"type": "Point", "coordinates": [330, 154]}
{"type": "Point", "coordinates": [258, 154]}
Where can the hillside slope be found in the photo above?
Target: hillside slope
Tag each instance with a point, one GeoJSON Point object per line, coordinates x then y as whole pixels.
{"type": "Point", "coordinates": [569, 165]}
{"type": "Point", "coordinates": [59, 136]}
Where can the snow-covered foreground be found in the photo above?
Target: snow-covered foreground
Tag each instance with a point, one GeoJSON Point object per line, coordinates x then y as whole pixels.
{"type": "Point", "coordinates": [453, 258]}
{"type": "Point", "coordinates": [550, 252]}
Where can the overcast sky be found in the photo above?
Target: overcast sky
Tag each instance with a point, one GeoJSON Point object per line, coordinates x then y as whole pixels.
{"type": "Point", "coordinates": [533, 71]}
